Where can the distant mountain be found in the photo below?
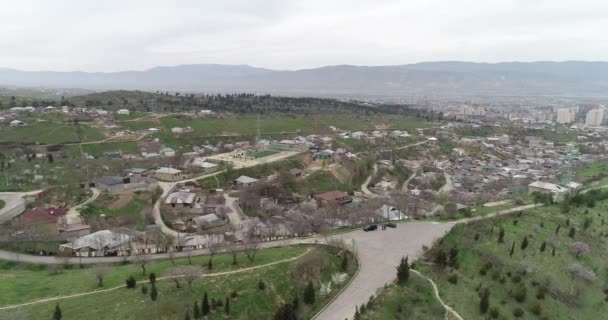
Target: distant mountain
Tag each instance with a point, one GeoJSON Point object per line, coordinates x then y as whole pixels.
{"type": "Point", "coordinates": [571, 78]}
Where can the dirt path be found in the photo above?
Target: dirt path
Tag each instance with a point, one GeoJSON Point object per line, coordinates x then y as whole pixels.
{"type": "Point", "coordinates": [73, 215]}
{"type": "Point", "coordinates": [448, 309]}
{"type": "Point", "coordinates": [364, 188]}
{"type": "Point", "coordinates": [216, 274]}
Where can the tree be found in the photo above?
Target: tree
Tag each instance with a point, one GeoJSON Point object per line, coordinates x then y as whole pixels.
{"type": "Point", "coordinates": [251, 246]}
{"type": "Point", "coordinates": [187, 317]}
{"type": "Point", "coordinates": [484, 303]}
{"type": "Point", "coordinates": [441, 259]}
{"type": "Point", "coordinates": [205, 308]}
{"type": "Point", "coordinates": [524, 243]}
{"type": "Point", "coordinates": [196, 312]}
{"type": "Point", "coordinates": [403, 271]}
{"type": "Point", "coordinates": [501, 235]}
{"type": "Point", "coordinates": [57, 313]}
{"type": "Point", "coordinates": [100, 272]}
{"type": "Point", "coordinates": [512, 249]}
{"type": "Point", "coordinates": [142, 261]}
{"type": "Point", "coordinates": [234, 253]}
{"type": "Point", "coordinates": [344, 264]}
{"type": "Point", "coordinates": [227, 306]}
{"type": "Point", "coordinates": [152, 278]}
{"type": "Point", "coordinates": [543, 246]}
{"type": "Point", "coordinates": [261, 285]}
{"type": "Point", "coordinates": [214, 243]}
{"type": "Point", "coordinates": [572, 233]}
{"type": "Point", "coordinates": [153, 293]}
{"type": "Point", "coordinates": [131, 282]}
{"type": "Point", "coordinates": [309, 294]}
{"type": "Point", "coordinates": [285, 312]}
{"type": "Point", "coordinates": [579, 248]}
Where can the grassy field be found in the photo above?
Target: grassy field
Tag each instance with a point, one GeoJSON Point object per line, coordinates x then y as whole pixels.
{"type": "Point", "coordinates": [131, 116]}
{"type": "Point", "coordinates": [281, 285]}
{"type": "Point", "coordinates": [98, 149]}
{"type": "Point", "coordinates": [534, 280]}
{"type": "Point", "coordinates": [322, 181]}
{"type": "Point", "coordinates": [49, 133]}
{"type": "Point", "coordinates": [414, 300]}
{"type": "Point", "coordinates": [130, 213]}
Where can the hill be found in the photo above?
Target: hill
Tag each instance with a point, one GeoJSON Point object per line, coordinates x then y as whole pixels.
{"type": "Point", "coordinates": [571, 78]}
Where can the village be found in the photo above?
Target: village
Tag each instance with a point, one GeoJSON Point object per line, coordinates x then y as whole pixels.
{"type": "Point", "coordinates": [155, 197]}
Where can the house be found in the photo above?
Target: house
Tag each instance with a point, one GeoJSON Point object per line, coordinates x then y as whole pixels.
{"type": "Point", "coordinates": [43, 219]}
{"type": "Point", "coordinates": [177, 130]}
{"type": "Point", "coordinates": [245, 181]}
{"type": "Point", "coordinates": [167, 152]}
{"type": "Point", "coordinates": [390, 213]}
{"type": "Point", "coordinates": [139, 172]}
{"type": "Point", "coordinates": [334, 197]}
{"type": "Point", "coordinates": [208, 221]}
{"type": "Point", "coordinates": [123, 112]}
{"type": "Point", "coordinates": [547, 188]}
{"type": "Point", "coordinates": [111, 184]}
{"type": "Point", "coordinates": [99, 244]}
{"type": "Point", "coordinates": [203, 163]}
{"type": "Point", "coordinates": [181, 199]}
{"type": "Point", "coordinates": [168, 174]}
{"type": "Point", "coordinates": [296, 172]}
{"type": "Point", "coordinates": [358, 135]}
{"type": "Point", "coordinates": [17, 123]}
{"type": "Point", "coordinates": [72, 230]}
{"type": "Point", "coordinates": [322, 155]}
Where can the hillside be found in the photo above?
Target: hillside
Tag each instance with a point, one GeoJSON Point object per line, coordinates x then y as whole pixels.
{"type": "Point", "coordinates": [571, 78]}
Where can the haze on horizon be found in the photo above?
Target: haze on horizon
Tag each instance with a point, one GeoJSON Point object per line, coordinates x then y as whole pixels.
{"type": "Point", "coordinates": [117, 35]}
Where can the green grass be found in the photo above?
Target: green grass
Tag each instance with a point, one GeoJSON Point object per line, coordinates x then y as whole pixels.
{"type": "Point", "coordinates": [2, 204]}
{"type": "Point", "coordinates": [321, 181]}
{"type": "Point", "coordinates": [239, 125]}
{"type": "Point", "coordinates": [131, 116]}
{"type": "Point", "coordinates": [414, 300]}
{"type": "Point", "coordinates": [530, 267]}
{"type": "Point", "coordinates": [98, 149]}
{"type": "Point", "coordinates": [252, 303]}
{"type": "Point", "coordinates": [49, 133]}
{"type": "Point", "coordinates": [133, 209]}
{"type": "Point", "coordinates": [261, 154]}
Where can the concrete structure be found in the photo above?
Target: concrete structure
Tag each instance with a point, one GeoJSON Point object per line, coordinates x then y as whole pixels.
{"type": "Point", "coordinates": [123, 112]}
{"type": "Point", "coordinates": [181, 199]}
{"type": "Point", "coordinates": [548, 188]}
{"type": "Point", "coordinates": [99, 244]}
{"type": "Point", "coordinates": [245, 181]}
{"type": "Point", "coordinates": [334, 197]}
{"type": "Point", "coordinates": [17, 123]}
{"type": "Point", "coordinates": [167, 152]}
{"type": "Point", "coordinates": [566, 115]}
{"type": "Point", "coordinates": [113, 184]}
{"type": "Point", "coordinates": [168, 174]}
{"type": "Point", "coordinates": [595, 117]}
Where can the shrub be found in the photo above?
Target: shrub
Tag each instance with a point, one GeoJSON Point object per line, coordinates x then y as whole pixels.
{"type": "Point", "coordinates": [484, 303]}
{"type": "Point", "coordinates": [131, 282]}
{"type": "Point", "coordinates": [144, 289]}
{"type": "Point", "coordinates": [309, 294]}
{"type": "Point", "coordinates": [501, 235]}
{"type": "Point", "coordinates": [536, 309]}
{"type": "Point", "coordinates": [453, 278]}
{"type": "Point", "coordinates": [234, 294]}
{"type": "Point", "coordinates": [477, 236]}
{"type": "Point", "coordinates": [540, 294]}
{"type": "Point", "coordinates": [572, 233]}
{"type": "Point", "coordinates": [520, 293]}
{"type": "Point", "coordinates": [494, 313]}
{"type": "Point", "coordinates": [524, 243]}
{"type": "Point", "coordinates": [261, 285]}
{"type": "Point", "coordinates": [518, 312]}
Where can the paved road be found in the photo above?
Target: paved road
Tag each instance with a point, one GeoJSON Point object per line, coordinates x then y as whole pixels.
{"type": "Point", "coordinates": [73, 215]}
{"type": "Point", "coordinates": [14, 204]}
{"type": "Point", "coordinates": [364, 188]}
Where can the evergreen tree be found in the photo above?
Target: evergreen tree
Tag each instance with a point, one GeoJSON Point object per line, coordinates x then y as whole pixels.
{"type": "Point", "coordinates": [205, 308]}
{"type": "Point", "coordinates": [227, 306]}
{"type": "Point", "coordinates": [285, 312]}
{"type": "Point", "coordinates": [524, 243]}
{"type": "Point", "coordinates": [543, 246]}
{"type": "Point", "coordinates": [261, 285]}
{"type": "Point", "coordinates": [153, 293]}
{"type": "Point", "coordinates": [403, 271]}
{"type": "Point", "coordinates": [187, 317]}
{"type": "Point", "coordinates": [152, 278]}
{"type": "Point", "coordinates": [572, 233]}
{"type": "Point", "coordinates": [196, 312]}
{"type": "Point", "coordinates": [553, 252]}
{"type": "Point", "coordinates": [512, 249]}
{"type": "Point", "coordinates": [309, 294]}
{"type": "Point", "coordinates": [484, 303]}
{"type": "Point", "coordinates": [357, 314]}
{"type": "Point", "coordinates": [57, 313]}
{"type": "Point", "coordinates": [557, 229]}
{"type": "Point", "coordinates": [344, 265]}
{"type": "Point", "coordinates": [501, 235]}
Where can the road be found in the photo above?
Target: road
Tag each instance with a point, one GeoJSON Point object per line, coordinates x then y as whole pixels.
{"type": "Point", "coordinates": [364, 188]}
{"type": "Point", "coordinates": [14, 204]}
{"type": "Point", "coordinates": [73, 215]}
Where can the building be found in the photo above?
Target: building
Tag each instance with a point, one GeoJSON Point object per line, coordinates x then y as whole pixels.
{"type": "Point", "coordinates": [99, 244]}
{"type": "Point", "coordinates": [17, 123]}
{"type": "Point", "coordinates": [123, 112]}
{"type": "Point", "coordinates": [595, 117]}
{"type": "Point", "coordinates": [181, 199]}
{"type": "Point", "coordinates": [566, 115]}
{"type": "Point", "coordinates": [548, 188]}
{"type": "Point", "coordinates": [110, 184]}
{"type": "Point", "coordinates": [169, 174]}
{"type": "Point", "coordinates": [390, 213]}
{"type": "Point", "coordinates": [208, 221]}
{"type": "Point", "coordinates": [167, 152]}
{"type": "Point", "coordinates": [245, 181]}
{"type": "Point", "coordinates": [337, 197]}
{"type": "Point", "coordinates": [296, 172]}
{"type": "Point", "coordinates": [115, 184]}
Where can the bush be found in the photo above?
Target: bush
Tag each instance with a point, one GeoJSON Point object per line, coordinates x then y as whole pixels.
{"type": "Point", "coordinates": [540, 294]}
{"type": "Point", "coordinates": [131, 282]}
{"type": "Point", "coordinates": [453, 278]}
{"type": "Point", "coordinates": [520, 293]}
{"type": "Point", "coordinates": [494, 313]}
{"type": "Point", "coordinates": [234, 294]}
{"type": "Point", "coordinates": [144, 289]}
{"type": "Point", "coordinates": [536, 309]}
{"type": "Point", "coordinates": [261, 285]}
{"type": "Point", "coordinates": [518, 312]}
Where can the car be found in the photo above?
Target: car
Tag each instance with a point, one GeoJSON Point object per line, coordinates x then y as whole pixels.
{"type": "Point", "coordinates": [391, 224]}
{"type": "Point", "coordinates": [370, 227]}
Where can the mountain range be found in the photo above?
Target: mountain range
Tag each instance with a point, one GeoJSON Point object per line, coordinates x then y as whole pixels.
{"type": "Point", "coordinates": [569, 78]}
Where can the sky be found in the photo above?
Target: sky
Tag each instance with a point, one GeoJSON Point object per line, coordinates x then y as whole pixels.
{"type": "Point", "coordinates": [112, 35]}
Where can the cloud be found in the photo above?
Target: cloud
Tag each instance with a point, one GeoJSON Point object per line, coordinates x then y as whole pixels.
{"type": "Point", "coordinates": [120, 35]}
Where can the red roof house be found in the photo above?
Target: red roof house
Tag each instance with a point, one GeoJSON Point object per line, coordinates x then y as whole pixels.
{"type": "Point", "coordinates": [42, 215]}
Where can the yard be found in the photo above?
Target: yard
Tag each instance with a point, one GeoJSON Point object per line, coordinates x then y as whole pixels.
{"type": "Point", "coordinates": [124, 210]}
{"type": "Point", "coordinates": [50, 133]}
{"type": "Point", "coordinates": [281, 284]}
{"type": "Point", "coordinates": [534, 280]}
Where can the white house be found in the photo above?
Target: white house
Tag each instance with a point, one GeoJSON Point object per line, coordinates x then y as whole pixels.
{"type": "Point", "coordinates": [390, 213]}
{"type": "Point", "coordinates": [99, 244]}
{"type": "Point", "coordinates": [123, 112]}
{"type": "Point", "coordinates": [17, 123]}
{"type": "Point", "coordinates": [177, 130]}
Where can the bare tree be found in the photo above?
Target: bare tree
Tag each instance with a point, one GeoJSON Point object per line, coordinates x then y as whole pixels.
{"type": "Point", "coordinates": [234, 251]}
{"type": "Point", "coordinates": [214, 243]}
{"type": "Point", "coordinates": [142, 261]}
{"type": "Point", "coordinates": [100, 271]}
{"type": "Point", "coordinates": [251, 245]}
{"type": "Point", "coordinates": [579, 248]}
{"type": "Point", "coordinates": [581, 274]}
{"type": "Point", "coordinates": [191, 273]}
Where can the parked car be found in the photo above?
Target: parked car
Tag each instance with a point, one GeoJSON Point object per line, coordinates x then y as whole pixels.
{"type": "Point", "coordinates": [370, 227]}
{"type": "Point", "coordinates": [391, 224]}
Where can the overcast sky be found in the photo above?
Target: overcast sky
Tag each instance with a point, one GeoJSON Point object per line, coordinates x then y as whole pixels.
{"type": "Point", "coordinates": [113, 35]}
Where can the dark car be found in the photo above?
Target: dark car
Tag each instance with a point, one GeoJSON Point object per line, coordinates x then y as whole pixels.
{"type": "Point", "coordinates": [391, 224]}
{"type": "Point", "coordinates": [370, 227]}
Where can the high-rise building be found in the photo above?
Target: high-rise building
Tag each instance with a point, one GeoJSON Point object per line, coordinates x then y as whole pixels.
{"type": "Point", "coordinates": [566, 115]}
{"type": "Point", "coordinates": [595, 117]}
